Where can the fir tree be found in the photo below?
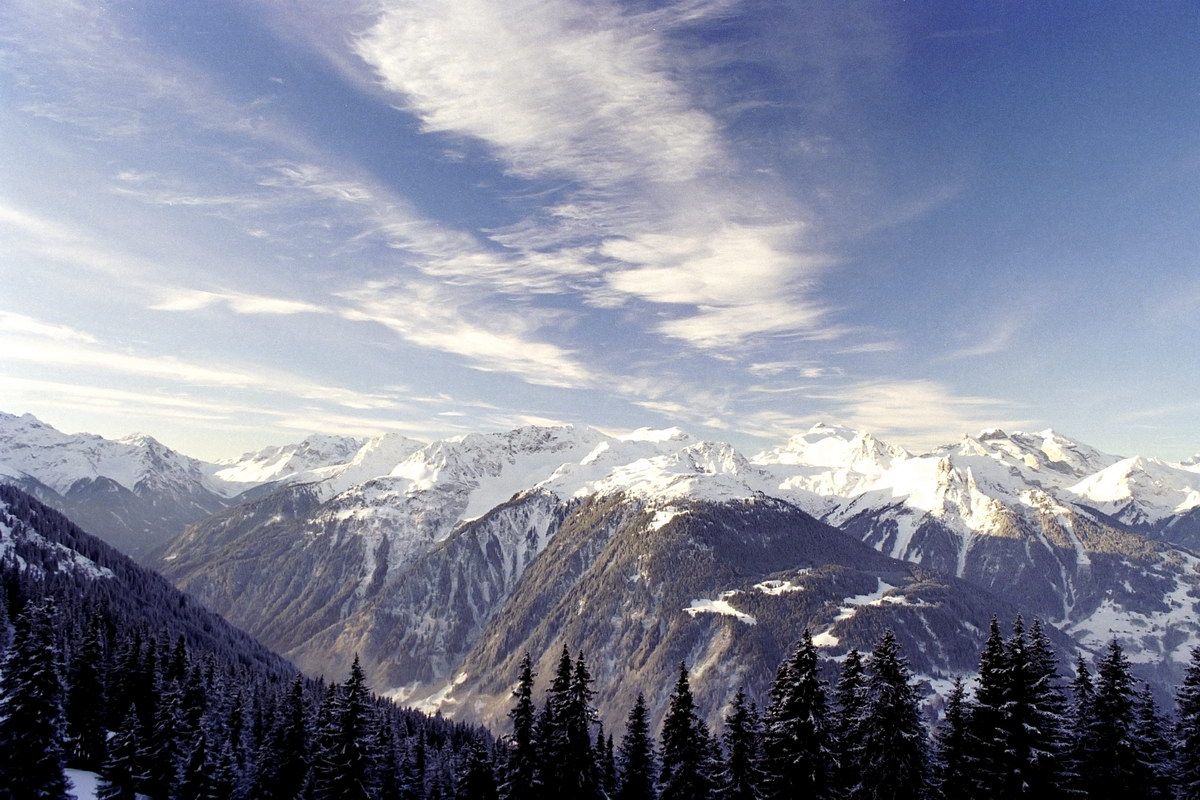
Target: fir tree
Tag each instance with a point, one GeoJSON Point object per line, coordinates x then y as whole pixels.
{"type": "Point", "coordinates": [1110, 767]}
{"type": "Point", "coordinates": [122, 773]}
{"type": "Point", "coordinates": [635, 757]}
{"type": "Point", "coordinates": [287, 759]}
{"type": "Point", "coordinates": [32, 725]}
{"type": "Point", "coordinates": [951, 773]}
{"type": "Point", "coordinates": [986, 751]}
{"type": "Point", "coordinates": [86, 702]}
{"type": "Point", "coordinates": [1187, 730]}
{"type": "Point", "coordinates": [893, 756]}
{"type": "Point", "coordinates": [741, 778]}
{"type": "Point", "coordinates": [849, 700]}
{"type": "Point", "coordinates": [477, 781]}
{"type": "Point", "coordinates": [522, 772]}
{"type": "Point", "coordinates": [345, 770]}
{"type": "Point", "coordinates": [1155, 760]}
{"type": "Point", "coordinates": [685, 747]}
{"type": "Point", "coordinates": [797, 742]}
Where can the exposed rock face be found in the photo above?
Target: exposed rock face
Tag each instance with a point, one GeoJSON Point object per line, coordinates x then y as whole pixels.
{"type": "Point", "coordinates": [442, 564]}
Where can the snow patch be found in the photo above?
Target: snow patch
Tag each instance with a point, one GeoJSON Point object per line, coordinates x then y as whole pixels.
{"type": "Point", "coordinates": [720, 606]}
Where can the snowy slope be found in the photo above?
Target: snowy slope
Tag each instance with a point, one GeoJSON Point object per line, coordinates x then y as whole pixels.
{"type": "Point", "coordinates": [281, 463]}
{"type": "Point", "coordinates": [1140, 490]}
{"type": "Point", "coordinates": [30, 448]}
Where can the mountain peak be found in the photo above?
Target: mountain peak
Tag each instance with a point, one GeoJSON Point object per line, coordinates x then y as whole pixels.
{"type": "Point", "coordinates": [672, 434]}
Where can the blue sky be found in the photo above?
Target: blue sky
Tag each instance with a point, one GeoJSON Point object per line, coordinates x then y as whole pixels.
{"type": "Point", "coordinates": [231, 223]}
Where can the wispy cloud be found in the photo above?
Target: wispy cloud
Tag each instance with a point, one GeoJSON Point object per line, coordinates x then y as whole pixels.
{"type": "Point", "coordinates": [574, 91]}
{"type": "Point", "coordinates": [916, 413]}
{"type": "Point", "coordinates": [35, 342]}
{"type": "Point", "coordinates": [21, 324]}
{"type": "Point", "coordinates": [651, 198]}
{"type": "Point", "coordinates": [424, 313]}
{"type": "Point", "coordinates": [195, 299]}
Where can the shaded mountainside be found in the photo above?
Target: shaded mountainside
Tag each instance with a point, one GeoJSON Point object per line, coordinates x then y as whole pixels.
{"type": "Point", "coordinates": [42, 544]}
{"type": "Point", "coordinates": [135, 493]}
{"type": "Point", "coordinates": [111, 670]}
{"type": "Point", "coordinates": [726, 587]}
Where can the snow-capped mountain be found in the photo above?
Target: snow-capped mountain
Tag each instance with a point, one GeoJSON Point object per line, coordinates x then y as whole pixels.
{"type": "Point", "coordinates": [1140, 491]}
{"type": "Point", "coordinates": [281, 463]}
{"type": "Point", "coordinates": [427, 570]}
{"type": "Point", "coordinates": [135, 492]}
{"type": "Point", "coordinates": [440, 563]}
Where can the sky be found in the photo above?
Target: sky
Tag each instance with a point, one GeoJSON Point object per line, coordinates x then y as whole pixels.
{"type": "Point", "coordinates": [230, 224]}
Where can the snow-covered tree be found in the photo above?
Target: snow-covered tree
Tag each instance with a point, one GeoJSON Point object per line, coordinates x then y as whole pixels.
{"type": "Point", "coordinates": [521, 779]}
{"type": "Point", "coordinates": [32, 723]}
{"type": "Point", "coordinates": [797, 742]}
{"type": "Point", "coordinates": [893, 755]}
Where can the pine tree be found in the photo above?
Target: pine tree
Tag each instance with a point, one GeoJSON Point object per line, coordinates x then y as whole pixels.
{"type": "Point", "coordinates": [987, 747]}
{"type": "Point", "coordinates": [951, 773]}
{"type": "Point", "coordinates": [196, 774]}
{"type": "Point", "coordinates": [606, 767]}
{"type": "Point", "coordinates": [797, 743]}
{"type": "Point", "coordinates": [636, 756]}
{"type": "Point", "coordinates": [122, 773]}
{"type": "Point", "coordinates": [849, 701]}
{"type": "Point", "coordinates": [893, 757]}
{"type": "Point", "coordinates": [522, 773]}
{"type": "Point", "coordinates": [86, 702]}
{"type": "Point", "coordinates": [1110, 768]}
{"type": "Point", "coordinates": [1187, 730]}
{"type": "Point", "coordinates": [1082, 752]}
{"type": "Point", "coordinates": [287, 760]}
{"type": "Point", "coordinates": [165, 751]}
{"type": "Point", "coordinates": [345, 770]}
{"type": "Point", "coordinates": [1155, 760]}
{"type": "Point", "coordinates": [551, 729]}
{"type": "Point", "coordinates": [1047, 771]}
{"type": "Point", "coordinates": [564, 733]}
{"type": "Point", "coordinates": [477, 781]}
{"type": "Point", "coordinates": [741, 778]}
{"type": "Point", "coordinates": [580, 766]}
{"type": "Point", "coordinates": [685, 747]}
{"type": "Point", "coordinates": [32, 724]}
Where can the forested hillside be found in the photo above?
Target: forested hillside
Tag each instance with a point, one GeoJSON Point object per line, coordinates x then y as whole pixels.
{"type": "Point", "coordinates": [109, 669]}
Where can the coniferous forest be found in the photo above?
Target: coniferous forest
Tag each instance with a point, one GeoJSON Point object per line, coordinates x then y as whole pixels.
{"type": "Point", "coordinates": [165, 701]}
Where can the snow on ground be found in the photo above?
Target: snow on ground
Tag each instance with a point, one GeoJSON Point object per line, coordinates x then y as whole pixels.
{"type": "Point", "coordinates": [780, 587]}
{"type": "Point", "coordinates": [85, 784]}
{"type": "Point", "coordinates": [720, 606]}
{"type": "Point", "coordinates": [850, 605]}
{"type": "Point", "coordinates": [1144, 632]}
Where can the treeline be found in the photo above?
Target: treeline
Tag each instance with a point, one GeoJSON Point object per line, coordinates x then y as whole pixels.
{"type": "Point", "coordinates": [85, 686]}
{"type": "Point", "coordinates": [1019, 732]}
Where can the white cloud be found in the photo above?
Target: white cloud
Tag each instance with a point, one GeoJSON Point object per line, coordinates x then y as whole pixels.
{"type": "Point", "coordinates": [915, 413]}
{"type": "Point", "coordinates": [428, 315]}
{"type": "Point", "coordinates": [22, 324]}
{"type": "Point", "coordinates": [40, 344]}
{"type": "Point", "coordinates": [563, 90]}
{"type": "Point", "coordinates": [241, 303]}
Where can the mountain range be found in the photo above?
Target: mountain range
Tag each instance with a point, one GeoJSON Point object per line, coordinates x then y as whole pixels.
{"type": "Point", "coordinates": [441, 564]}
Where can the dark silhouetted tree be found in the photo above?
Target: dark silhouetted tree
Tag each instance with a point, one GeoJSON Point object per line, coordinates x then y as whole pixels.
{"type": "Point", "coordinates": [635, 757]}
{"type": "Point", "coordinates": [797, 743]}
